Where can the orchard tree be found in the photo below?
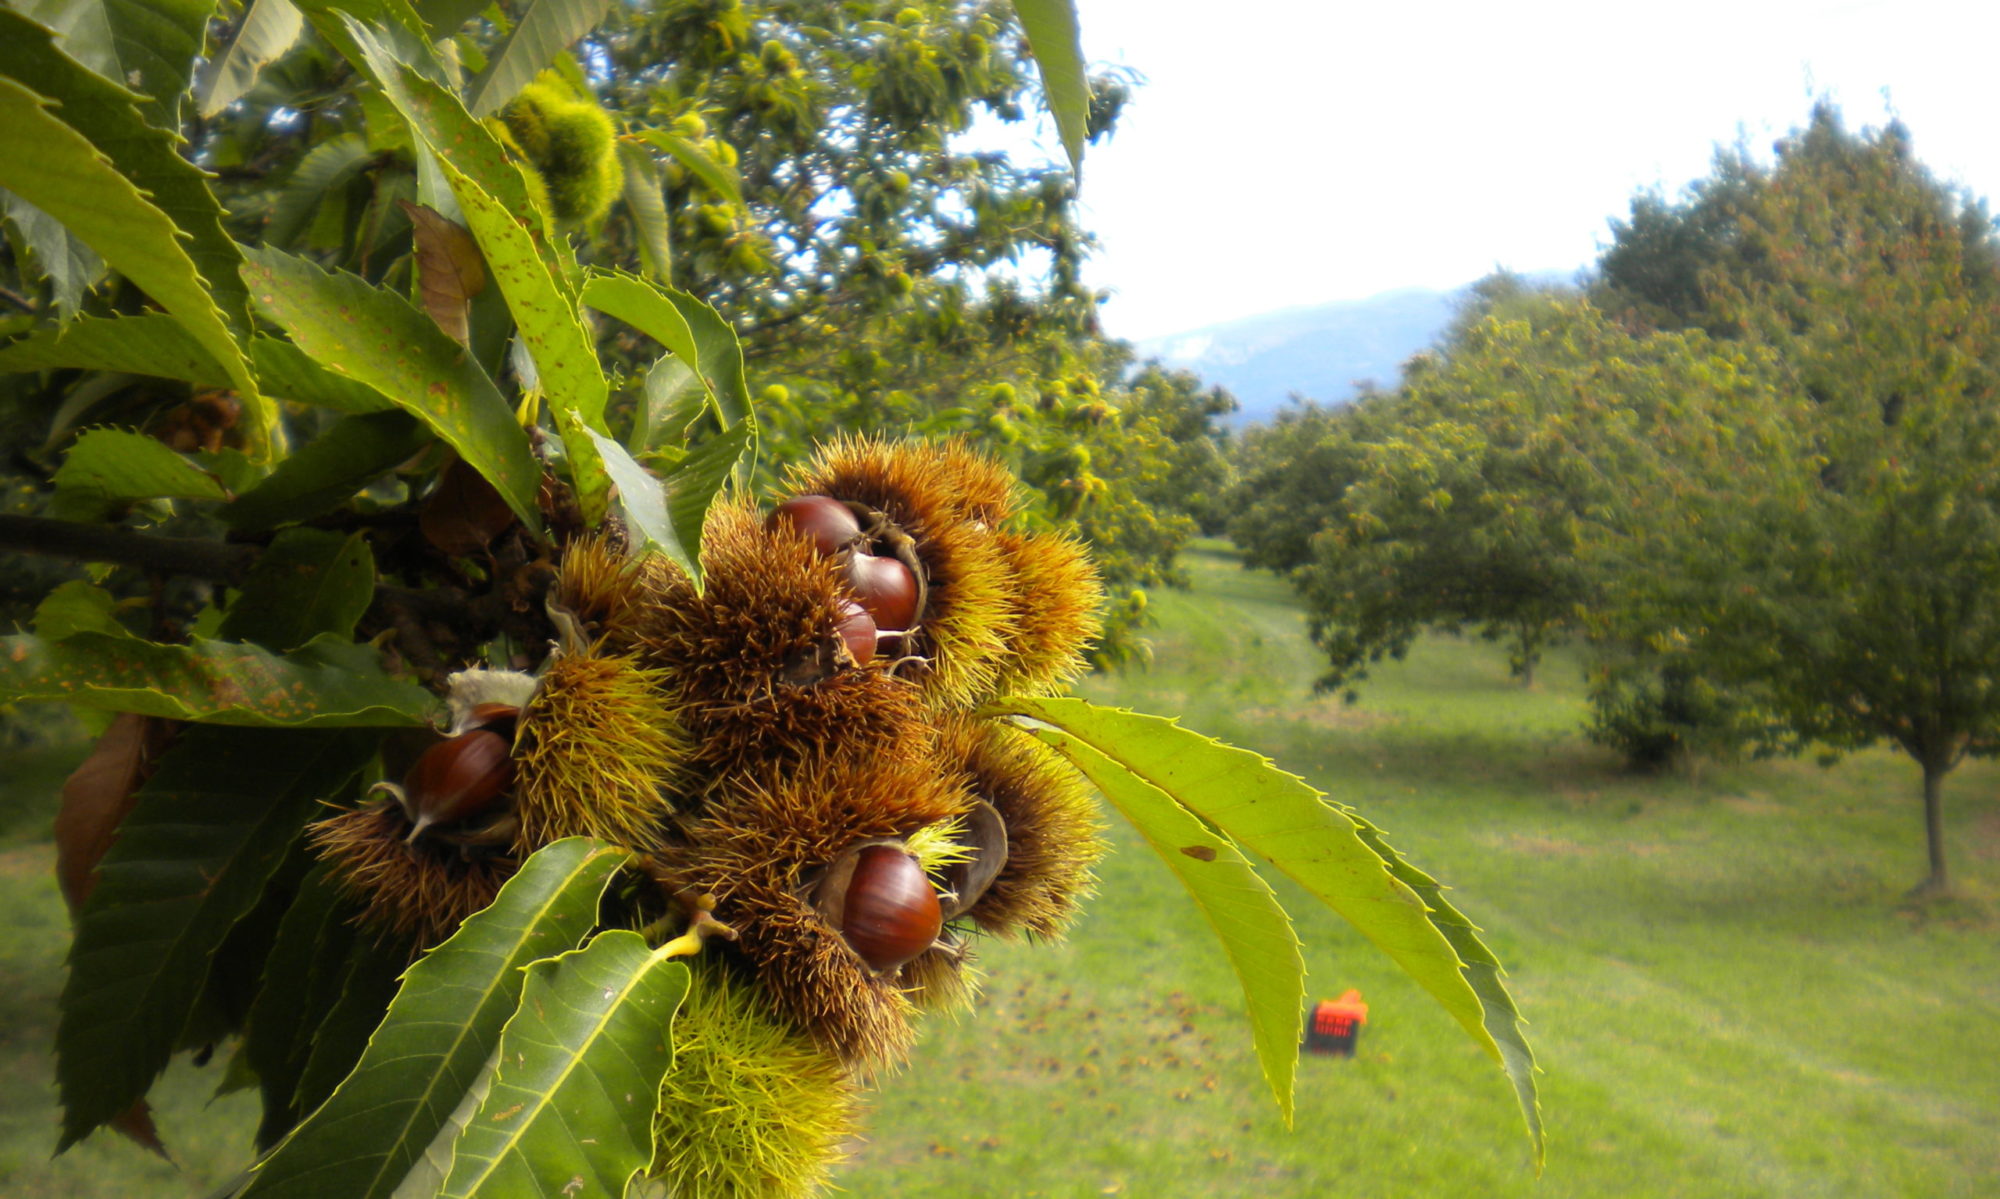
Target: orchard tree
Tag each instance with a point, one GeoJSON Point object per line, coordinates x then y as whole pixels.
{"type": "Point", "coordinates": [1467, 497]}
{"type": "Point", "coordinates": [515, 801]}
{"type": "Point", "coordinates": [1851, 568]}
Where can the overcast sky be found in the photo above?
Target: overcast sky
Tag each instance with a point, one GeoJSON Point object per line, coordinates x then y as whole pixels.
{"type": "Point", "coordinates": [1291, 152]}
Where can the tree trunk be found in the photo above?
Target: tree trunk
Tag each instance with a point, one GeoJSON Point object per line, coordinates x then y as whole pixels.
{"type": "Point", "coordinates": [1938, 883]}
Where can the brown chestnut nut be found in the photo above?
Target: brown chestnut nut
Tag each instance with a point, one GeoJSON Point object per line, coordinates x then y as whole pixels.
{"type": "Point", "coordinates": [457, 779]}
{"type": "Point", "coordinates": [857, 629]}
{"type": "Point", "coordinates": [883, 903]}
{"type": "Point", "coordinates": [886, 588]}
{"type": "Point", "coordinates": [826, 520]}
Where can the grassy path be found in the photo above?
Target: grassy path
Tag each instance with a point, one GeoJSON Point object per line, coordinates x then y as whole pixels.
{"type": "Point", "coordinates": [1726, 995]}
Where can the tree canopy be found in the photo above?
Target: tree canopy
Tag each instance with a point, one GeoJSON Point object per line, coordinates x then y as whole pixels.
{"type": "Point", "coordinates": [1754, 465]}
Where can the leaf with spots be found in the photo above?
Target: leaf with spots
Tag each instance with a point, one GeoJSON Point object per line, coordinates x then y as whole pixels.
{"type": "Point", "coordinates": [328, 682]}
{"type": "Point", "coordinates": [287, 372]}
{"type": "Point", "coordinates": [571, 1109]}
{"type": "Point", "coordinates": [548, 323]}
{"type": "Point", "coordinates": [439, 120]}
{"type": "Point", "coordinates": [374, 336]}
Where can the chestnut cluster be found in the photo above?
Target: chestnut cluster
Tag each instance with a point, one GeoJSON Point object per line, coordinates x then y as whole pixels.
{"type": "Point", "coordinates": [792, 745]}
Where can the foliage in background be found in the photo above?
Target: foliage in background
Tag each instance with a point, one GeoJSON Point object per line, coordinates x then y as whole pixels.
{"type": "Point", "coordinates": [1755, 467]}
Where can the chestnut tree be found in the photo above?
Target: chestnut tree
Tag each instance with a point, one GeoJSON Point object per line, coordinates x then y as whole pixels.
{"type": "Point", "coordinates": [1849, 568]}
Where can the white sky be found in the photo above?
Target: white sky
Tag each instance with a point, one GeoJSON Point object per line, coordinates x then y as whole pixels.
{"type": "Point", "coordinates": [1291, 152]}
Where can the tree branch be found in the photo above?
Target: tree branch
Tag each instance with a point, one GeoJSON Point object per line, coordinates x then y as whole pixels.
{"type": "Point", "coordinates": [195, 557]}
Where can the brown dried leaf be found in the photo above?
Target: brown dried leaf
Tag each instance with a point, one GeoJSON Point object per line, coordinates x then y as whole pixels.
{"type": "Point", "coordinates": [450, 270]}
{"type": "Point", "coordinates": [464, 514]}
{"type": "Point", "coordinates": [99, 794]}
{"type": "Point", "coordinates": [136, 1125]}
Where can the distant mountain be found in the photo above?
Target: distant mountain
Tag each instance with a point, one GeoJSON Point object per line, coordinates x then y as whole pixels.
{"type": "Point", "coordinates": [1321, 351]}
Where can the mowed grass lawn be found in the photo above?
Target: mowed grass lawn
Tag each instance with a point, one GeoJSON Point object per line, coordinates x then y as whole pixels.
{"type": "Point", "coordinates": [1727, 994]}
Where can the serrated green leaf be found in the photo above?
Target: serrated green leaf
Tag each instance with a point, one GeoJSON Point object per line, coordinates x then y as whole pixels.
{"type": "Point", "coordinates": [1255, 932]}
{"type": "Point", "coordinates": [237, 965]}
{"type": "Point", "coordinates": [55, 168]}
{"type": "Point", "coordinates": [720, 179]}
{"type": "Point", "coordinates": [1057, 45]}
{"type": "Point", "coordinates": [546, 322]}
{"type": "Point", "coordinates": [441, 1030]}
{"type": "Point", "coordinates": [1482, 972]}
{"type": "Point", "coordinates": [287, 372]}
{"type": "Point", "coordinates": [323, 171]}
{"type": "Point", "coordinates": [305, 583]}
{"type": "Point", "coordinates": [392, 26]}
{"type": "Point", "coordinates": [646, 203]}
{"type": "Point", "coordinates": [695, 481]}
{"type": "Point", "coordinates": [579, 1075]}
{"type": "Point", "coordinates": [643, 500]}
{"type": "Point", "coordinates": [647, 307]}
{"type": "Point", "coordinates": [374, 971]}
{"type": "Point", "coordinates": [109, 116]}
{"type": "Point", "coordinates": [427, 1174]}
{"type": "Point", "coordinates": [78, 607]}
{"type": "Point", "coordinates": [148, 44]}
{"type": "Point", "coordinates": [1281, 819]}
{"type": "Point", "coordinates": [446, 17]}
{"type": "Point", "coordinates": [544, 311]}
{"type": "Point", "coordinates": [545, 29]}
{"type": "Point", "coordinates": [532, 273]}
{"type": "Point", "coordinates": [689, 329]}
{"type": "Point", "coordinates": [70, 267]}
{"type": "Point", "coordinates": [672, 402]}
{"type": "Point", "coordinates": [209, 829]}
{"type": "Point", "coordinates": [299, 987]}
{"type": "Point", "coordinates": [326, 683]}
{"type": "Point", "coordinates": [269, 29]}
{"type": "Point", "coordinates": [156, 345]}
{"type": "Point", "coordinates": [107, 469]}
{"type": "Point", "coordinates": [376, 337]}
{"type": "Point", "coordinates": [438, 119]}
{"type": "Point", "coordinates": [326, 471]}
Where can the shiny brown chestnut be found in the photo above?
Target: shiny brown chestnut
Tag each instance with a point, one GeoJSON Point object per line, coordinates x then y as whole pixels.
{"type": "Point", "coordinates": [830, 523]}
{"type": "Point", "coordinates": [886, 588]}
{"type": "Point", "coordinates": [857, 630]}
{"type": "Point", "coordinates": [883, 903]}
{"type": "Point", "coordinates": [457, 779]}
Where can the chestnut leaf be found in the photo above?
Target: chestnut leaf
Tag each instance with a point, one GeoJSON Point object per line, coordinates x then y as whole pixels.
{"type": "Point", "coordinates": [443, 1026]}
{"type": "Point", "coordinates": [208, 831]}
{"type": "Point", "coordinates": [1339, 858]}
{"type": "Point", "coordinates": [579, 1075]}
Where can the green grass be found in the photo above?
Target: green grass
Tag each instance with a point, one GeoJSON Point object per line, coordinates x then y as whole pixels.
{"type": "Point", "coordinates": [1727, 993]}
{"type": "Point", "coordinates": [1724, 990]}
